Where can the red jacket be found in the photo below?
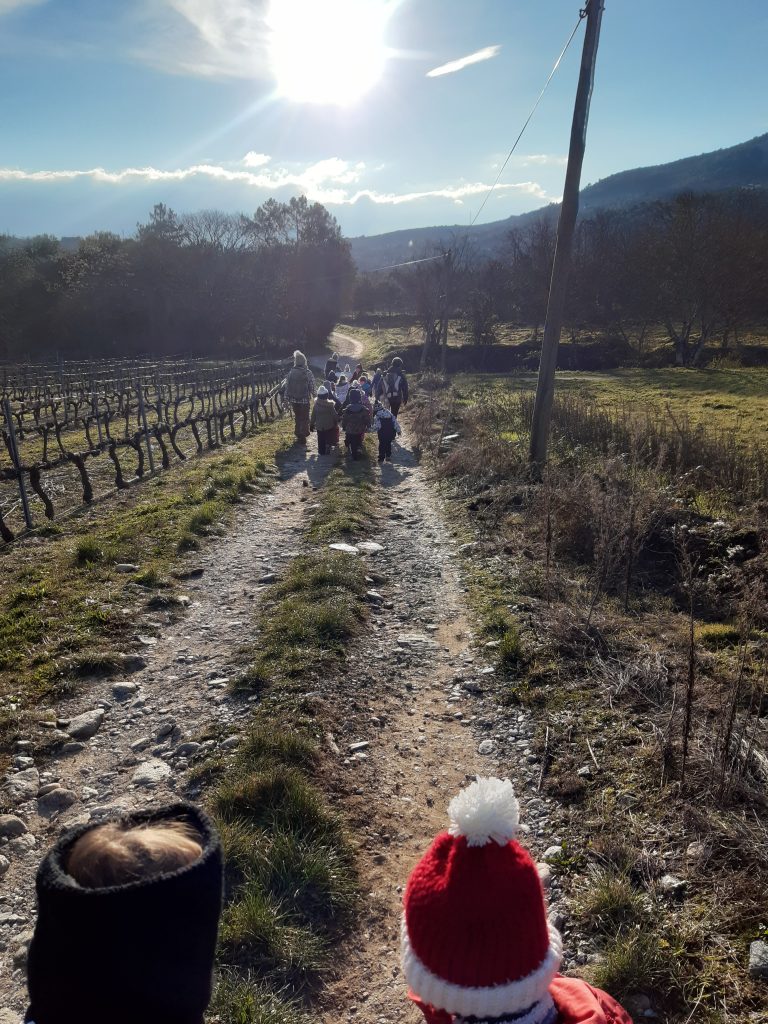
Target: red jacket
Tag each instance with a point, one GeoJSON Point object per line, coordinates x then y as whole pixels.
{"type": "Point", "coordinates": [576, 1002]}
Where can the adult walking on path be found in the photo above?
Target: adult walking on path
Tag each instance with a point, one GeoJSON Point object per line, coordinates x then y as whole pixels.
{"type": "Point", "coordinates": [332, 364]}
{"type": "Point", "coordinates": [394, 386]}
{"type": "Point", "coordinates": [299, 389]}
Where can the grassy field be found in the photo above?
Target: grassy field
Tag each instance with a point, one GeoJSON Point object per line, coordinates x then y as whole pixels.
{"type": "Point", "coordinates": [733, 399]}
{"type": "Point", "coordinates": [627, 628]}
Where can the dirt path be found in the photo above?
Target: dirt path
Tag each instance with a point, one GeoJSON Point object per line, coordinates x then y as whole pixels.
{"type": "Point", "coordinates": [413, 692]}
{"type": "Point", "coordinates": [346, 345]}
{"type": "Point", "coordinates": [418, 724]}
{"type": "Point", "coordinates": [147, 726]}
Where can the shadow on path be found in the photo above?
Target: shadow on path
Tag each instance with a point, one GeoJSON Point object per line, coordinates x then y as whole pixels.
{"type": "Point", "coordinates": [299, 460]}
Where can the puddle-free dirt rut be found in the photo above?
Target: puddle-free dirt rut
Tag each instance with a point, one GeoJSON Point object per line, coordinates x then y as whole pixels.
{"type": "Point", "coordinates": [421, 742]}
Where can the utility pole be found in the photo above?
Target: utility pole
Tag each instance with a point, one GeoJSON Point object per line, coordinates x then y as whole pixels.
{"type": "Point", "coordinates": [545, 387]}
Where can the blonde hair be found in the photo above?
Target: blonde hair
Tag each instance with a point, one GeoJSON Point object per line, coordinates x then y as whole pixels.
{"type": "Point", "coordinates": [299, 359]}
{"type": "Point", "coordinates": [114, 854]}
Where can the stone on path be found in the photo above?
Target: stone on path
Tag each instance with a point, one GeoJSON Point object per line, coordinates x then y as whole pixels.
{"type": "Point", "coordinates": [486, 747]}
{"type": "Point", "coordinates": [122, 691]}
{"type": "Point", "coordinates": [347, 549]}
{"type": "Point", "coordinates": [23, 785]}
{"type": "Point", "coordinates": [149, 773]}
{"type": "Point", "coordinates": [69, 749]}
{"type": "Point", "coordinates": [552, 853]}
{"type": "Point", "coordinates": [269, 577]}
{"type": "Point", "coordinates": [4, 865]}
{"type": "Point", "coordinates": [11, 826]}
{"type": "Point", "coordinates": [188, 749]}
{"type": "Point", "coordinates": [126, 567]}
{"type": "Point", "coordinates": [545, 875]}
{"type": "Point", "coordinates": [758, 959]}
{"type": "Point", "coordinates": [82, 727]}
{"type": "Point", "coordinates": [355, 748]}
{"type": "Point", "coordinates": [55, 801]}
{"type": "Point", "coordinates": [370, 547]}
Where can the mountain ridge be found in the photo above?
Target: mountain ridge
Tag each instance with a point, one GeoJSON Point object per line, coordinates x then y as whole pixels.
{"type": "Point", "coordinates": [741, 166]}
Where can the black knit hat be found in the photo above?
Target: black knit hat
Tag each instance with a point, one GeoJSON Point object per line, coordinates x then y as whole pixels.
{"type": "Point", "coordinates": [139, 953]}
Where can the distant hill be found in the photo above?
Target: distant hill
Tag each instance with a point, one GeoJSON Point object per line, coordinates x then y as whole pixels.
{"type": "Point", "coordinates": [741, 166]}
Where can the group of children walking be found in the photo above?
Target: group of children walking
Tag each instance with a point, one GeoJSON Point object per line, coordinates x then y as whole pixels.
{"type": "Point", "coordinates": [350, 400]}
{"type": "Point", "coordinates": [128, 915]}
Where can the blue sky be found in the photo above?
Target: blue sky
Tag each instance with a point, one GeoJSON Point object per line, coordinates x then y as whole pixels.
{"type": "Point", "coordinates": [108, 107]}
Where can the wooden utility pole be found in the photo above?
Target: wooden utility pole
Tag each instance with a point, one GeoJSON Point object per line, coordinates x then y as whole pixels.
{"type": "Point", "coordinates": [545, 388]}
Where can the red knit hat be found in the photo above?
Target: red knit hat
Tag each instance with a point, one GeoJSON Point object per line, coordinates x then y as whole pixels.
{"type": "Point", "coordinates": [475, 937]}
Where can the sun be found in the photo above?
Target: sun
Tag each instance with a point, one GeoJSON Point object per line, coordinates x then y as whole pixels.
{"type": "Point", "coordinates": [327, 51]}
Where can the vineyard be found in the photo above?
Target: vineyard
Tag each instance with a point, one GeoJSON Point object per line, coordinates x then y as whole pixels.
{"type": "Point", "coordinates": [76, 432]}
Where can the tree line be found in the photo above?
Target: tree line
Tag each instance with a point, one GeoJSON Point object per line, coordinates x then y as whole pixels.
{"type": "Point", "coordinates": [199, 284]}
{"type": "Point", "coordinates": [695, 266]}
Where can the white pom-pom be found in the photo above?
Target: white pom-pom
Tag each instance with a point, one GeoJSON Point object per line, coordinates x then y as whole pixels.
{"type": "Point", "coordinates": [487, 809]}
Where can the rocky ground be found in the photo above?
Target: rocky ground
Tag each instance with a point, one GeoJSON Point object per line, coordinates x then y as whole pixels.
{"type": "Point", "coordinates": [415, 709]}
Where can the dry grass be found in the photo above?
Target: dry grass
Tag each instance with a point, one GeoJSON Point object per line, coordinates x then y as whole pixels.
{"type": "Point", "coordinates": [604, 561]}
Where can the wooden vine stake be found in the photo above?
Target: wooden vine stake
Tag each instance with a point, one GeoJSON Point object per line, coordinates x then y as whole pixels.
{"type": "Point", "coordinates": [140, 393]}
{"type": "Point", "coordinates": [17, 461]}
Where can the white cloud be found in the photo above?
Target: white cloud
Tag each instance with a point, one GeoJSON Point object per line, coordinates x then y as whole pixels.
{"type": "Point", "coordinates": [253, 159]}
{"type": "Point", "coordinates": [226, 39]}
{"type": "Point", "coordinates": [542, 159]}
{"type": "Point", "coordinates": [464, 62]}
{"type": "Point", "coordinates": [457, 192]}
{"type": "Point", "coordinates": [6, 6]}
{"type": "Point", "coordinates": [314, 179]}
{"type": "Point", "coordinates": [326, 181]}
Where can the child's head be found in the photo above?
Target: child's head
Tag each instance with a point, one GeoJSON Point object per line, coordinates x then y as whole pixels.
{"type": "Point", "coordinates": [115, 854]}
{"type": "Point", "coordinates": [127, 919]}
{"type": "Point", "coordinates": [475, 938]}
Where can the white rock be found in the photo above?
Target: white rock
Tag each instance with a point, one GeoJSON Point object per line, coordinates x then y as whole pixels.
{"type": "Point", "coordinates": [23, 785]}
{"type": "Point", "coordinates": [355, 748]}
{"type": "Point", "coordinates": [672, 886]}
{"type": "Point", "coordinates": [347, 549]}
{"type": "Point", "coordinates": [126, 567]}
{"type": "Point", "coordinates": [545, 875]}
{"type": "Point", "coordinates": [4, 865]}
{"type": "Point", "coordinates": [230, 743]}
{"type": "Point", "coordinates": [552, 853]}
{"type": "Point", "coordinates": [486, 747]}
{"type": "Point", "coordinates": [758, 959]}
{"type": "Point", "coordinates": [149, 773]}
{"type": "Point", "coordinates": [370, 547]}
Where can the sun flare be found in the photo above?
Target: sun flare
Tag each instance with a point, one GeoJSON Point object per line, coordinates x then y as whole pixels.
{"type": "Point", "coordinates": [327, 51]}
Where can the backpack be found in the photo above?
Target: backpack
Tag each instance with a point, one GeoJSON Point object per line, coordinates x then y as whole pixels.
{"type": "Point", "coordinates": [297, 385]}
{"type": "Point", "coordinates": [387, 430]}
{"type": "Point", "coordinates": [354, 421]}
{"type": "Point", "coordinates": [394, 383]}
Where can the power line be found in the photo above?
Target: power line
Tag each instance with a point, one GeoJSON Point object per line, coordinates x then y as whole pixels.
{"type": "Point", "coordinates": [556, 65]}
